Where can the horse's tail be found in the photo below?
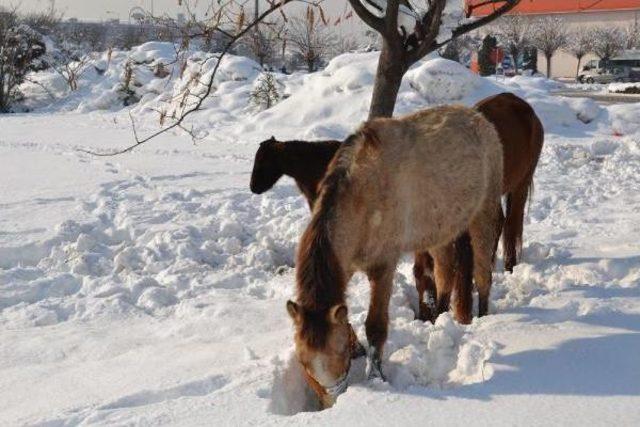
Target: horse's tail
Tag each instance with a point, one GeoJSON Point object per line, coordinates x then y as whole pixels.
{"type": "Point", "coordinates": [537, 139]}
{"type": "Point", "coordinates": [517, 200]}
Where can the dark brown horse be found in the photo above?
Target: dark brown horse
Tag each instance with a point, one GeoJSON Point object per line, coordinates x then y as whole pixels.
{"type": "Point", "coordinates": [306, 162]}
{"type": "Point", "coordinates": [522, 137]}
{"type": "Point", "coordinates": [521, 134]}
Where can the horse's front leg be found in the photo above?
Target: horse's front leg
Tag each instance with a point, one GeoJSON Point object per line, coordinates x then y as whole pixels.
{"type": "Point", "coordinates": [377, 323]}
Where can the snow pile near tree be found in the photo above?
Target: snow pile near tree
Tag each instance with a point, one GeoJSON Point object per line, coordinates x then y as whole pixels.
{"type": "Point", "coordinates": [440, 80]}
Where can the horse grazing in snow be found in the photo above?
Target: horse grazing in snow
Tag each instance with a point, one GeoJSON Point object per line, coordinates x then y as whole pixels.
{"type": "Point", "coordinates": [521, 134]}
{"type": "Point", "coordinates": [415, 183]}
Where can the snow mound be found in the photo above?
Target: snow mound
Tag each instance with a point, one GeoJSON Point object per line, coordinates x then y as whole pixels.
{"type": "Point", "coordinates": [153, 52]}
{"type": "Point", "coordinates": [440, 355]}
{"type": "Point", "coordinates": [624, 119]}
{"type": "Point", "coordinates": [290, 393]}
{"type": "Point", "coordinates": [144, 255]}
{"type": "Point", "coordinates": [624, 88]}
{"type": "Point", "coordinates": [344, 88]}
{"type": "Point", "coordinates": [442, 81]}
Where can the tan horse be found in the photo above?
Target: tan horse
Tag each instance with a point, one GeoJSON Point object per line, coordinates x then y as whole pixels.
{"type": "Point", "coordinates": [411, 184]}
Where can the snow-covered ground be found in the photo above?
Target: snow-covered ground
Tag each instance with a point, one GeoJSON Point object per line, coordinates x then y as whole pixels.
{"type": "Point", "coordinates": [149, 288]}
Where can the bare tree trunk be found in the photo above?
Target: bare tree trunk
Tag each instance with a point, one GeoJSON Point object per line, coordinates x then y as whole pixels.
{"type": "Point", "coordinates": [578, 67]}
{"type": "Point", "coordinates": [548, 65]}
{"type": "Point", "coordinates": [391, 69]}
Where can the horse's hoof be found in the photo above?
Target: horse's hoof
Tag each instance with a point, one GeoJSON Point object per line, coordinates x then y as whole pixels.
{"type": "Point", "coordinates": [374, 367]}
{"type": "Point", "coordinates": [426, 313]}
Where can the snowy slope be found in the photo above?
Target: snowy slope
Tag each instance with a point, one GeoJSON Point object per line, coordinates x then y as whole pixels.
{"type": "Point", "coordinates": [150, 288]}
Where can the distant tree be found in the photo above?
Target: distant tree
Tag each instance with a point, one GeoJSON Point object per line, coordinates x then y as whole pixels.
{"type": "Point", "coordinates": [514, 33]}
{"type": "Point", "coordinates": [344, 43]}
{"type": "Point", "coordinates": [46, 22]}
{"type": "Point", "coordinates": [530, 59]}
{"type": "Point", "coordinates": [133, 35]}
{"type": "Point", "coordinates": [89, 36]}
{"type": "Point", "coordinates": [309, 37]}
{"type": "Point", "coordinates": [485, 61]}
{"type": "Point", "coordinates": [460, 49]}
{"type": "Point", "coordinates": [263, 41]}
{"type": "Point", "coordinates": [549, 34]}
{"type": "Point", "coordinates": [580, 42]}
{"type": "Point", "coordinates": [632, 36]}
{"type": "Point", "coordinates": [20, 49]}
{"type": "Point", "coordinates": [608, 42]}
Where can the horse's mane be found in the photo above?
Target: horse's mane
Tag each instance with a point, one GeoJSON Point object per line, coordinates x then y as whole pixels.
{"type": "Point", "coordinates": [319, 276]}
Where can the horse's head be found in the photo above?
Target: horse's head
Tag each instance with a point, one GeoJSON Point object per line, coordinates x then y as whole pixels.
{"type": "Point", "coordinates": [266, 167]}
{"type": "Point", "coordinates": [325, 344]}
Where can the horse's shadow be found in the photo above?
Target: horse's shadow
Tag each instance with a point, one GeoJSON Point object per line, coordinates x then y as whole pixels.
{"type": "Point", "coordinates": [605, 365]}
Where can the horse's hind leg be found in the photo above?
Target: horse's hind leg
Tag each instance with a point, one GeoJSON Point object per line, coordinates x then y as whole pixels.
{"type": "Point", "coordinates": [377, 323]}
{"type": "Point", "coordinates": [444, 272]}
{"type": "Point", "coordinates": [425, 285]}
{"type": "Point", "coordinates": [512, 237]}
{"type": "Point", "coordinates": [483, 231]}
{"type": "Point", "coordinates": [463, 278]}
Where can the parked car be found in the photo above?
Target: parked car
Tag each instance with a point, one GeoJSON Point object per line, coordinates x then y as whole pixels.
{"type": "Point", "coordinates": [603, 72]}
{"type": "Point", "coordinates": [622, 68]}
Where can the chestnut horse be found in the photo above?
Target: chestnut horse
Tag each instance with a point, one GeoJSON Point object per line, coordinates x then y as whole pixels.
{"type": "Point", "coordinates": [415, 183]}
{"type": "Point", "coordinates": [521, 134]}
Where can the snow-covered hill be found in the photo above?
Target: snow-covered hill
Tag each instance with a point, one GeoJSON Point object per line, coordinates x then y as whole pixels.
{"type": "Point", "coordinates": [149, 288]}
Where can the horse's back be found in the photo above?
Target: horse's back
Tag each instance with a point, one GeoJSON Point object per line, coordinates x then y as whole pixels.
{"type": "Point", "coordinates": [433, 171]}
{"type": "Point", "coordinates": [521, 134]}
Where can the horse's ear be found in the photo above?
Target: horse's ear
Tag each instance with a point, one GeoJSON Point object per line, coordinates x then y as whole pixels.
{"type": "Point", "coordinates": [273, 138]}
{"type": "Point", "coordinates": [294, 310]}
{"type": "Point", "coordinates": [339, 314]}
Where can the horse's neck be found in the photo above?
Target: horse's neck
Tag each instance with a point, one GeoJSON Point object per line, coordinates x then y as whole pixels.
{"type": "Point", "coordinates": [306, 163]}
{"type": "Point", "coordinates": [324, 270]}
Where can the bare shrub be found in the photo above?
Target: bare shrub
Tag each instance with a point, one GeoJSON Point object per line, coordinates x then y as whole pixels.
{"type": "Point", "coordinates": [309, 37]}
{"type": "Point", "coordinates": [20, 49]}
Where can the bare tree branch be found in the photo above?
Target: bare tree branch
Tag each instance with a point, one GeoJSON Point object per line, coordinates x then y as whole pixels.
{"type": "Point", "coordinates": [431, 21]}
{"type": "Point", "coordinates": [465, 28]}
{"type": "Point", "coordinates": [391, 18]}
{"type": "Point", "coordinates": [369, 18]}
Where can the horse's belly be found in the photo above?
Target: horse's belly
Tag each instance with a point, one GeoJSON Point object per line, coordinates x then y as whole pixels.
{"type": "Point", "coordinates": [438, 224]}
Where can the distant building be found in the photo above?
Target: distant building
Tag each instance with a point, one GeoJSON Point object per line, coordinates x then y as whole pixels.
{"type": "Point", "coordinates": [576, 13]}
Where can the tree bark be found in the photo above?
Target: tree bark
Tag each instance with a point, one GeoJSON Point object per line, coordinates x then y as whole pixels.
{"type": "Point", "coordinates": [578, 67]}
{"type": "Point", "coordinates": [391, 69]}
{"type": "Point", "coordinates": [548, 65]}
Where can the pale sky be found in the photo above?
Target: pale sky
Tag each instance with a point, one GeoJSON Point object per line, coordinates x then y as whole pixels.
{"type": "Point", "coordinates": [109, 9]}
